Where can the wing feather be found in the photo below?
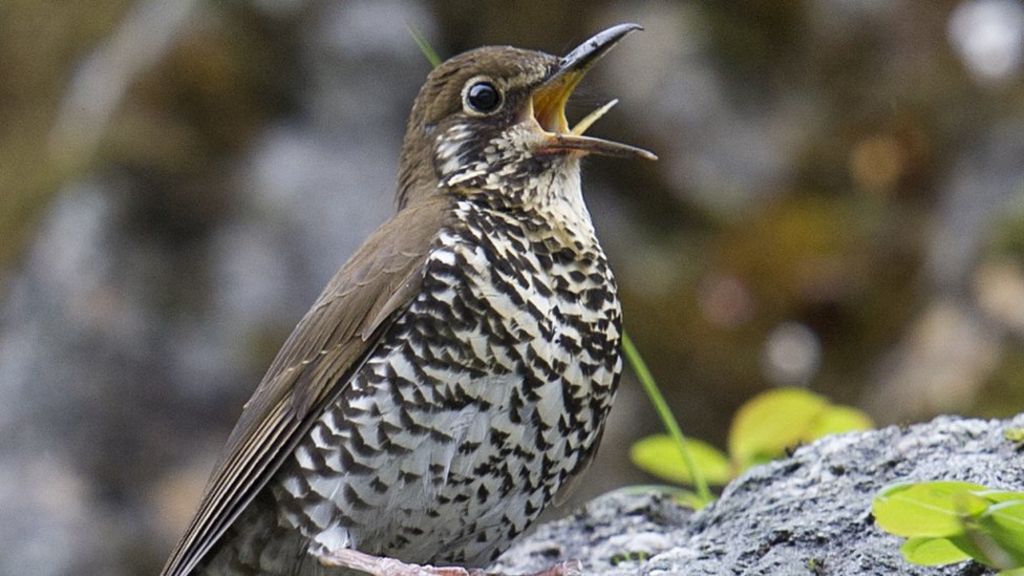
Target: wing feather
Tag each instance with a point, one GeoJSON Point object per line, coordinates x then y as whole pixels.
{"type": "Point", "coordinates": [312, 367]}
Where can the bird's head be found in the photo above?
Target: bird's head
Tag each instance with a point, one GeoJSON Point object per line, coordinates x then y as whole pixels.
{"type": "Point", "coordinates": [492, 121]}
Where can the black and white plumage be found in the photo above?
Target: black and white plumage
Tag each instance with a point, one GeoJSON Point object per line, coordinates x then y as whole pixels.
{"type": "Point", "coordinates": [454, 376]}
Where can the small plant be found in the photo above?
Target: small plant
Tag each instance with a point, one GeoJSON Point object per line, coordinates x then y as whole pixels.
{"type": "Point", "coordinates": [947, 521]}
{"type": "Point", "coordinates": [763, 429]}
{"type": "Point", "coordinates": [1015, 435]}
{"type": "Point", "coordinates": [680, 449]}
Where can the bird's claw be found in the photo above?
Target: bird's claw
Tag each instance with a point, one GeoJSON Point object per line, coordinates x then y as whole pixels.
{"type": "Point", "coordinates": [383, 566]}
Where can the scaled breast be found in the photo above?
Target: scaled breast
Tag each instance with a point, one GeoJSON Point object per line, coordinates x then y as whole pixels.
{"type": "Point", "coordinates": [486, 395]}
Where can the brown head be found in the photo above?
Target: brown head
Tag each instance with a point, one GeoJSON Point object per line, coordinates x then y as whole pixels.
{"type": "Point", "coordinates": [493, 117]}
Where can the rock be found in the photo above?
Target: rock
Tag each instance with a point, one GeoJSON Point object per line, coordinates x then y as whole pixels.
{"type": "Point", "coordinates": [807, 514]}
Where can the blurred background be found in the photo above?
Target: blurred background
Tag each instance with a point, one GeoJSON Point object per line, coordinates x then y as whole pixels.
{"type": "Point", "coordinates": [839, 204]}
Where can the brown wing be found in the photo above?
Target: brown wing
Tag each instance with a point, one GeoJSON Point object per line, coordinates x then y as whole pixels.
{"type": "Point", "coordinates": [314, 364]}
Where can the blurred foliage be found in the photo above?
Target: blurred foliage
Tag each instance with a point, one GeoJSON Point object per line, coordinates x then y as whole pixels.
{"type": "Point", "coordinates": [41, 42]}
{"type": "Point", "coordinates": [765, 428]}
{"type": "Point", "coordinates": [204, 100]}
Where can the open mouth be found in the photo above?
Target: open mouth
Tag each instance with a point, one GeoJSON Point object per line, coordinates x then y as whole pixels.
{"type": "Point", "coordinates": [550, 98]}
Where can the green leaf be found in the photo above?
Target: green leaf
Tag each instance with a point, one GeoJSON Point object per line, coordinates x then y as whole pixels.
{"type": "Point", "coordinates": [926, 551]}
{"type": "Point", "coordinates": [659, 455]}
{"type": "Point", "coordinates": [948, 521]}
{"type": "Point", "coordinates": [921, 509]}
{"type": "Point", "coordinates": [779, 419]}
{"type": "Point", "coordinates": [1008, 517]}
{"type": "Point", "coordinates": [969, 505]}
{"type": "Point", "coordinates": [1004, 523]}
{"type": "Point", "coordinates": [769, 423]}
{"type": "Point", "coordinates": [997, 496]}
{"type": "Point", "coordinates": [837, 420]}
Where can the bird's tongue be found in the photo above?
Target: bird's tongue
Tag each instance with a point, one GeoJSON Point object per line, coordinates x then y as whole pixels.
{"type": "Point", "coordinates": [549, 112]}
{"type": "Point", "coordinates": [549, 102]}
{"type": "Point", "coordinates": [549, 107]}
{"type": "Point", "coordinates": [589, 119]}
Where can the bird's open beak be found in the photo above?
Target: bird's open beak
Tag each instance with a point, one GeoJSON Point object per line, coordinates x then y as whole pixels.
{"type": "Point", "coordinates": [549, 102]}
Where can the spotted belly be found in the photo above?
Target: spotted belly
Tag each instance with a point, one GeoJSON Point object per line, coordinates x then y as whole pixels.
{"type": "Point", "coordinates": [483, 399]}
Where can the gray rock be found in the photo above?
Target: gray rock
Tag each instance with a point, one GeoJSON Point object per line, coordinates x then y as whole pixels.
{"type": "Point", "coordinates": [808, 514]}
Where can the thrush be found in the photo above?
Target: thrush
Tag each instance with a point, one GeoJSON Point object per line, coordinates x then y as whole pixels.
{"type": "Point", "coordinates": [453, 378]}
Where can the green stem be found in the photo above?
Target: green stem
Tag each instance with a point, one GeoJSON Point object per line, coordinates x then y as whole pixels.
{"type": "Point", "coordinates": [669, 421]}
{"type": "Point", "coordinates": [425, 47]}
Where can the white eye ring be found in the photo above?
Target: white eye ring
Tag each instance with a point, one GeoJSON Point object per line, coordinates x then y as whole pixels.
{"type": "Point", "coordinates": [481, 96]}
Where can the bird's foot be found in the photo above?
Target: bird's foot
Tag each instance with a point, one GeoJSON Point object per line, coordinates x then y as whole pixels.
{"type": "Point", "coordinates": [382, 566]}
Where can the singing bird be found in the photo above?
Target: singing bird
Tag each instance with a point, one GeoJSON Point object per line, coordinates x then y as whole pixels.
{"type": "Point", "coordinates": [454, 376]}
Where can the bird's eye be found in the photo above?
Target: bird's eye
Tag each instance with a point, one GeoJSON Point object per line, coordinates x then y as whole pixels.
{"type": "Point", "coordinates": [483, 97]}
